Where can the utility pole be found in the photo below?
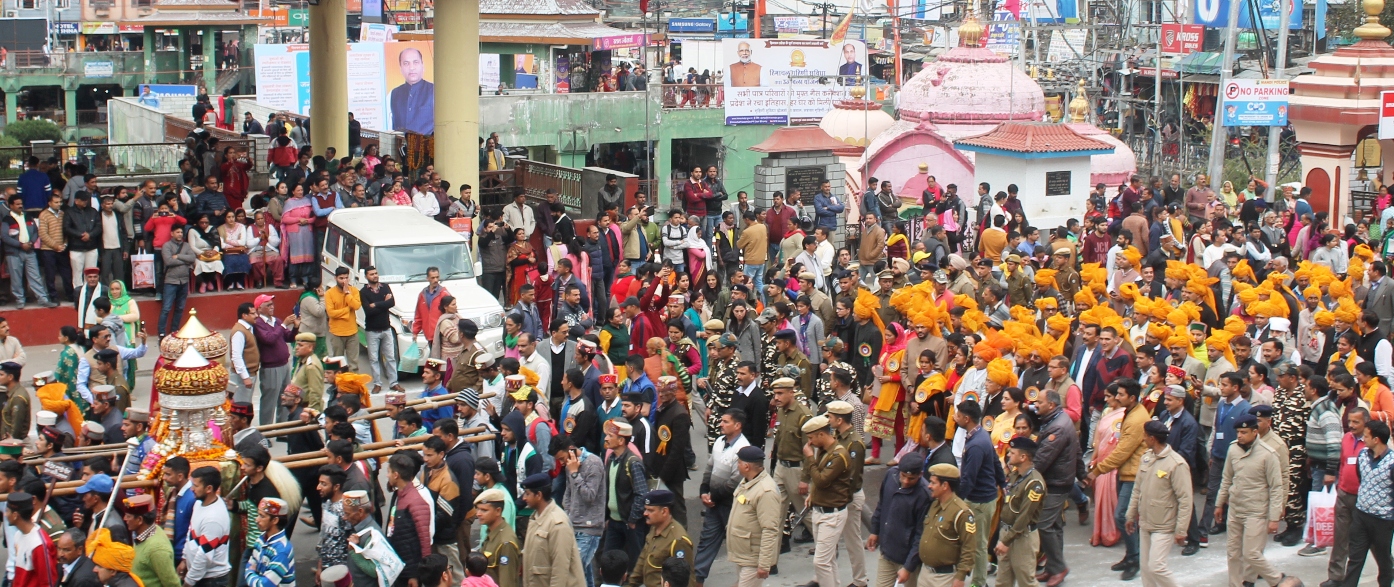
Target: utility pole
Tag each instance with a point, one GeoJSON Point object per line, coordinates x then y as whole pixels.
{"type": "Point", "coordinates": [1217, 133]}
{"type": "Point", "coordinates": [1279, 71]}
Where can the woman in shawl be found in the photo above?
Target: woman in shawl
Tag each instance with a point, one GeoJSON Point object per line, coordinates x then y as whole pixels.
{"type": "Point", "coordinates": [522, 262]}
{"type": "Point", "coordinates": [74, 345]}
{"type": "Point", "coordinates": [717, 295]}
{"type": "Point", "coordinates": [688, 355]}
{"type": "Point", "coordinates": [129, 312]}
{"type": "Point", "coordinates": [298, 238]}
{"type": "Point", "coordinates": [447, 343]}
{"type": "Point", "coordinates": [1004, 425]}
{"type": "Point", "coordinates": [889, 412]}
{"type": "Point", "coordinates": [396, 195]}
{"type": "Point", "coordinates": [699, 255]}
{"type": "Point", "coordinates": [236, 263]}
{"type": "Point", "coordinates": [897, 244]}
{"type": "Point", "coordinates": [208, 268]}
{"type": "Point", "coordinates": [742, 326]}
{"type": "Point", "coordinates": [512, 327]}
{"type": "Point", "coordinates": [276, 204]}
{"type": "Point", "coordinates": [313, 317]}
{"type": "Point", "coordinates": [661, 363]}
{"type": "Point", "coordinates": [1106, 437]}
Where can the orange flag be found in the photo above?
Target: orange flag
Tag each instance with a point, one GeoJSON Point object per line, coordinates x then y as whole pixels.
{"type": "Point", "coordinates": [840, 32]}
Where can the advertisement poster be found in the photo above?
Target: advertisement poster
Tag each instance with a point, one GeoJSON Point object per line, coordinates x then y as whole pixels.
{"type": "Point", "coordinates": [1386, 115]}
{"type": "Point", "coordinates": [1255, 102]}
{"type": "Point", "coordinates": [283, 80]}
{"type": "Point", "coordinates": [1182, 39]}
{"type": "Point", "coordinates": [376, 32]}
{"type": "Point", "coordinates": [489, 70]}
{"type": "Point", "coordinates": [1004, 34]}
{"type": "Point", "coordinates": [410, 72]}
{"type": "Point", "coordinates": [1067, 45]}
{"type": "Point", "coordinates": [1215, 13]}
{"type": "Point", "coordinates": [770, 81]}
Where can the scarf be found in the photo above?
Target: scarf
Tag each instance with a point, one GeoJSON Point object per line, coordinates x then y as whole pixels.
{"type": "Point", "coordinates": [121, 306]}
{"type": "Point", "coordinates": [23, 226]}
{"type": "Point", "coordinates": [885, 401]}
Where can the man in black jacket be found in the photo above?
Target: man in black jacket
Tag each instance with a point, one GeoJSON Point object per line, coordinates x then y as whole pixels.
{"type": "Point", "coordinates": [673, 435]}
{"type": "Point", "coordinates": [1057, 459]}
{"type": "Point", "coordinates": [897, 523]}
{"type": "Point", "coordinates": [378, 302]}
{"type": "Point", "coordinates": [628, 484]}
{"type": "Point", "coordinates": [82, 225]}
{"type": "Point", "coordinates": [77, 566]}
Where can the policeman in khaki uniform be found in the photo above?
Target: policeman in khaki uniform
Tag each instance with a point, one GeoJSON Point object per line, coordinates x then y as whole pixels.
{"type": "Point", "coordinates": [1161, 504]}
{"type": "Point", "coordinates": [667, 538]}
{"type": "Point", "coordinates": [756, 522]}
{"type": "Point", "coordinates": [1252, 473]}
{"type": "Point", "coordinates": [500, 545]}
{"type": "Point", "coordinates": [789, 441]}
{"type": "Point", "coordinates": [552, 559]}
{"type": "Point", "coordinates": [1267, 436]}
{"type": "Point", "coordinates": [840, 416]}
{"type": "Point", "coordinates": [1021, 510]}
{"type": "Point", "coordinates": [830, 480]}
{"type": "Point", "coordinates": [950, 533]}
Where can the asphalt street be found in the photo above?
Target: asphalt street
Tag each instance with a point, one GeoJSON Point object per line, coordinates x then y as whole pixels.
{"type": "Point", "coordinates": [1088, 565]}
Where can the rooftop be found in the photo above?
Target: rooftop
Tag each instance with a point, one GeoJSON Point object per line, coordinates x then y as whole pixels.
{"type": "Point", "coordinates": [534, 7]}
{"type": "Point", "coordinates": [1034, 138]}
{"type": "Point", "coordinates": [794, 139]}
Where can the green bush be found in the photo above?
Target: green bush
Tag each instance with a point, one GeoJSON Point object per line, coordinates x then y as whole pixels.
{"type": "Point", "coordinates": [28, 131]}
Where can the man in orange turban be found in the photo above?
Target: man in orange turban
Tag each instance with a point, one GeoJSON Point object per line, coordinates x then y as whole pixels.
{"type": "Point", "coordinates": [112, 559]}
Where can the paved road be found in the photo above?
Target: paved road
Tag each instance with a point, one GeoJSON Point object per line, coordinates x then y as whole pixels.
{"type": "Point", "coordinates": [1088, 565]}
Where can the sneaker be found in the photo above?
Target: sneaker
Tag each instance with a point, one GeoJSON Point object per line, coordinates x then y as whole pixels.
{"type": "Point", "coordinates": [48, 304]}
{"type": "Point", "coordinates": [1312, 550]}
{"type": "Point", "coordinates": [1205, 542]}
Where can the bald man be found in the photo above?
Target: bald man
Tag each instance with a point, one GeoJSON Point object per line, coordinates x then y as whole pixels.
{"type": "Point", "coordinates": [744, 73]}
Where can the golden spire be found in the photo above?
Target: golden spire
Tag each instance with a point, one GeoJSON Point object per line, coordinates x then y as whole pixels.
{"type": "Point", "coordinates": [193, 328]}
{"type": "Point", "coordinates": [970, 32]}
{"type": "Point", "coordinates": [1372, 29]}
{"type": "Point", "coordinates": [1079, 107]}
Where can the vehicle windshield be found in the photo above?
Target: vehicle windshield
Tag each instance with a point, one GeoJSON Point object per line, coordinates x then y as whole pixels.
{"type": "Point", "coordinates": [409, 263]}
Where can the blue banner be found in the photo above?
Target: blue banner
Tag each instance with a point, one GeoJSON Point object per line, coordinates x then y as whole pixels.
{"type": "Point", "coordinates": [1215, 13]}
{"type": "Point", "coordinates": [691, 25]}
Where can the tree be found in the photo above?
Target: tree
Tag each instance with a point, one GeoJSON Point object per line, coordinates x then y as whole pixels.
{"type": "Point", "coordinates": [28, 131]}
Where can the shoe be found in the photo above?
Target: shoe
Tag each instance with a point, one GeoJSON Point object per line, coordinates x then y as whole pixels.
{"type": "Point", "coordinates": [1293, 539]}
{"type": "Point", "coordinates": [1217, 529]}
{"type": "Point", "coordinates": [775, 569]}
{"type": "Point", "coordinates": [399, 388]}
{"type": "Point", "coordinates": [1130, 573]}
{"type": "Point", "coordinates": [1058, 578]}
{"type": "Point", "coordinates": [1330, 583]}
{"type": "Point", "coordinates": [1312, 550]}
{"type": "Point", "coordinates": [1121, 565]}
{"type": "Point", "coordinates": [803, 538]}
{"type": "Point", "coordinates": [1190, 549]}
{"type": "Point", "coordinates": [871, 461]}
{"type": "Point", "coordinates": [49, 305]}
{"type": "Point", "coordinates": [19, 306]}
{"type": "Point", "coordinates": [1248, 584]}
{"type": "Point", "coordinates": [308, 522]}
{"type": "Point", "coordinates": [1042, 577]}
{"type": "Point", "coordinates": [1084, 514]}
{"type": "Point", "coordinates": [784, 547]}
{"type": "Point", "coordinates": [1205, 542]}
{"type": "Point", "coordinates": [992, 568]}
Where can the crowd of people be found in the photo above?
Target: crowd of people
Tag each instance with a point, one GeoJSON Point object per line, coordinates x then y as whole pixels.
{"type": "Point", "coordinates": [1167, 345]}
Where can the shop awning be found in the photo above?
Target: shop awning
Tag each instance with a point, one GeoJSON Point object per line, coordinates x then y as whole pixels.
{"type": "Point", "coordinates": [1202, 62]}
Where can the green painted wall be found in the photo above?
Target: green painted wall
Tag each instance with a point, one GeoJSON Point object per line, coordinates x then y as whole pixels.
{"type": "Point", "coordinates": [571, 123]}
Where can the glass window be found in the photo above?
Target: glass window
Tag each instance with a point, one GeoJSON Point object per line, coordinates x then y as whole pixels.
{"type": "Point", "coordinates": [364, 257]}
{"type": "Point", "coordinates": [409, 263]}
{"type": "Point", "coordinates": [350, 251]}
{"type": "Point", "coordinates": [331, 240]}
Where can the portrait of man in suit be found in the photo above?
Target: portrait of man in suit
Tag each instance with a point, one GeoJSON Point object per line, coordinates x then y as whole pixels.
{"type": "Point", "coordinates": [413, 102]}
{"type": "Point", "coordinates": [744, 72]}
{"type": "Point", "coordinates": [849, 66]}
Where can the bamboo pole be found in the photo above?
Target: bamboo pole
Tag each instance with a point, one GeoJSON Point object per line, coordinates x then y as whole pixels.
{"type": "Point", "coordinates": [450, 400]}
{"type": "Point", "coordinates": [71, 458]}
{"type": "Point", "coordinates": [61, 490]}
{"type": "Point", "coordinates": [371, 454]}
{"type": "Point", "coordinates": [314, 454]}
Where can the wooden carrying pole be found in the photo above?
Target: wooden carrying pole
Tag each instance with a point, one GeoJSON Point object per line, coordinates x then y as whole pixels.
{"type": "Point", "coordinates": [72, 490]}
{"type": "Point", "coordinates": [315, 454]}
{"type": "Point", "coordinates": [71, 458]}
{"type": "Point", "coordinates": [317, 426]}
{"type": "Point", "coordinates": [371, 454]}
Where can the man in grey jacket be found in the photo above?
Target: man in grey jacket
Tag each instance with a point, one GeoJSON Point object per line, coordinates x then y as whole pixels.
{"type": "Point", "coordinates": [1056, 459]}
{"type": "Point", "coordinates": [179, 261]}
{"type": "Point", "coordinates": [584, 497]}
{"type": "Point", "coordinates": [719, 484]}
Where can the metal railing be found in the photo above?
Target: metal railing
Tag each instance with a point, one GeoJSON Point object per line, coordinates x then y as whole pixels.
{"type": "Point", "coordinates": [107, 160]}
{"type": "Point", "coordinates": [693, 96]}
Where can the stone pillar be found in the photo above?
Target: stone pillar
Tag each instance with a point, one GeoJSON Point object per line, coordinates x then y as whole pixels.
{"type": "Point", "coordinates": [457, 91]}
{"type": "Point", "coordinates": [11, 104]}
{"type": "Point", "coordinates": [329, 76]}
{"type": "Point", "coordinates": [210, 61]}
{"type": "Point", "coordinates": [183, 58]}
{"type": "Point", "coordinates": [148, 52]}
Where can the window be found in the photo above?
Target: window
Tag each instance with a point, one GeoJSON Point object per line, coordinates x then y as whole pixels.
{"type": "Point", "coordinates": [365, 257]}
{"type": "Point", "coordinates": [350, 251]}
{"type": "Point", "coordinates": [61, 4]}
{"type": "Point", "coordinates": [409, 263]}
{"type": "Point", "coordinates": [29, 4]}
{"type": "Point", "coordinates": [331, 241]}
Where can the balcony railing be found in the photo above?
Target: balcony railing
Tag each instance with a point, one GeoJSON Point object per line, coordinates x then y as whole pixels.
{"type": "Point", "coordinates": [693, 96]}
{"type": "Point", "coordinates": [107, 160]}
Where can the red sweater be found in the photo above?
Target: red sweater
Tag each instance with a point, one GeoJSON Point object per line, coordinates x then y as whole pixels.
{"type": "Point", "coordinates": [160, 227]}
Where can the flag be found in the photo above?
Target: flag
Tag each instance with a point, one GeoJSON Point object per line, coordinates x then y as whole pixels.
{"type": "Point", "coordinates": [840, 32]}
{"type": "Point", "coordinates": [1012, 6]}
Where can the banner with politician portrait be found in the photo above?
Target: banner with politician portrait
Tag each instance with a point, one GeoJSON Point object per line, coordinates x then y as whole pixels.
{"type": "Point", "coordinates": [779, 81]}
{"type": "Point", "coordinates": [411, 91]}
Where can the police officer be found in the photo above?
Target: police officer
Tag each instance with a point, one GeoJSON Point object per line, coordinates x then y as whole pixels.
{"type": "Point", "coordinates": [1161, 504]}
{"type": "Point", "coordinates": [1017, 540]}
{"type": "Point", "coordinates": [896, 525]}
{"type": "Point", "coordinates": [667, 538]}
{"type": "Point", "coordinates": [500, 545]}
{"type": "Point", "coordinates": [830, 477]}
{"type": "Point", "coordinates": [950, 534]}
{"type": "Point", "coordinates": [755, 526]}
{"type": "Point", "coordinates": [1252, 473]}
{"type": "Point", "coordinates": [789, 441]}
{"type": "Point", "coordinates": [840, 416]}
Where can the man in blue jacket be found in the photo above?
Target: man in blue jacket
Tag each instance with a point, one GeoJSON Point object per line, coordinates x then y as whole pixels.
{"type": "Point", "coordinates": [898, 521]}
{"type": "Point", "coordinates": [1230, 408]}
{"type": "Point", "coordinates": [979, 478]}
{"type": "Point", "coordinates": [826, 207]}
{"type": "Point", "coordinates": [35, 186]}
{"type": "Point", "coordinates": [1184, 438]}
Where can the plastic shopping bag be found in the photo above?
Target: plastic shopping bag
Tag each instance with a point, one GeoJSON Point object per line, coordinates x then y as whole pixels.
{"type": "Point", "coordinates": [1321, 517]}
{"type": "Point", "coordinates": [143, 271]}
{"type": "Point", "coordinates": [411, 359]}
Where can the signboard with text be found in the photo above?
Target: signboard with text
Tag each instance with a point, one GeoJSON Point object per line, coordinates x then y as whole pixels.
{"type": "Point", "coordinates": [1255, 102]}
{"type": "Point", "coordinates": [618, 42]}
{"type": "Point", "coordinates": [1182, 39]}
{"type": "Point", "coordinates": [1215, 13]}
{"type": "Point", "coordinates": [1386, 115]}
{"type": "Point", "coordinates": [771, 81]}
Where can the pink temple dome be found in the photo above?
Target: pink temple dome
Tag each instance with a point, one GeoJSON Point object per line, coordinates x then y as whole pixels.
{"type": "Point", "coordinates": [971, 85]}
